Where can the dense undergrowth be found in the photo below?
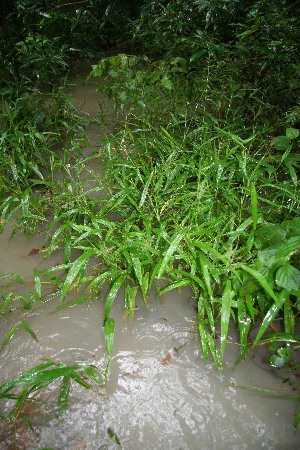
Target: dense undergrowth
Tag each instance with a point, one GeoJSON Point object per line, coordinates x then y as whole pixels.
{"type": "Point", "coordinates": [202, 181]}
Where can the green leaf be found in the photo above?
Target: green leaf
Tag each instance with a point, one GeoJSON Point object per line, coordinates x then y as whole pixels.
{"type": "Point", "coordinates": [13, 330]}
{"type": "Point", "coordinates": [92, 372]}
{"type": "Point", "coordinates": [112, 294]}
{"type": "Point", "coordinates": [262, 281]}
{"type": "Point", "coordinates": [270, 316]}
{"type": "Point", "coordinates": [225, 314]}
{"type": "Point", "coordinates": [168, 255]}
{"type": "Point", "coordinates": [166, 82]}
{"type": "Point", "coordinates": [74, 270]}
{"type": "Point", "coordinates": [37, 283]}
{"type": "Point", "coordinates": [277, 361]}
{"type": "Point", "coordinates": [63, 396]}
{"type": "Point", "coordinates": [281, 142]}
{"type": "Point", "coordinates": [288, 277]}
{"type": "Point", "coordinates": [145, 190]}
{"type": "Point", "coordinates": [292, 133]}
{"type": "Point", "coordinates": [254, 209]}
{"type": "Point", "coordinates": [109, 330]}
{"type": "Point", "coordinates": [205, 264]}
{"type": "Point", "coordinates": [113, 436]}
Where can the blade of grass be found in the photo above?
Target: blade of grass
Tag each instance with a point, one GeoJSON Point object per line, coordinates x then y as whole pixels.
{"type": "Point", "coordinates": [14, 329]}
{"type": "Point", "coordinates": [74, 270]}
{"type": "Point", "coordinates": [109, 331]}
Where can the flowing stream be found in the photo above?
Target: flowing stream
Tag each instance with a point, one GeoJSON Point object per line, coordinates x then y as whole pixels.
{"type": "Point", "coordinates": [161, 393]}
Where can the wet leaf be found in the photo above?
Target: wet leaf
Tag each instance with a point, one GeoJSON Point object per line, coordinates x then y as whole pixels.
{"type": "Point", "coordinates": [112, 295]}
{"type": "Point", "coordinates": [270, 316]}
{"type": "Point", "coordinates": [63, 396]}
{"type": "Point", "coordinates": [166, 82]}
{"type": "Point", "coordinates": [262, 281]}
{"type": "Point", "coordinates": [113, 436]}
{"type": "Point", "coordinates": [292, 133]}
{"type": "Point", "coordinates": [225, 313]}
{"type": "Point", "coordinates": [109, 330]}
{"type": "Point", "coordinates": [288, 277]}
{"type": "Point", "coordinates": [74, 270]}
{"type": "Point", "coordinates": [169, 253]}
{"type": "Point", "coordinates": [14, 329]}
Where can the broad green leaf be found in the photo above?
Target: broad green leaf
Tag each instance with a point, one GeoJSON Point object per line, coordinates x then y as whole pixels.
{"type": "Point", "coordinates": [13, 330]}
{"type": "Point", "coordinates": [74, 270]}
{"type": "Point", "coordinates": [288, 277]}
{"type": "Point", "coordinates": [281, 142]}
{"type": "Point", "coordinates": [292, 133]}
{"type": "Point", "coordinates": [109, 330]}
{"type": "Point", "coordinates": [166, 82]}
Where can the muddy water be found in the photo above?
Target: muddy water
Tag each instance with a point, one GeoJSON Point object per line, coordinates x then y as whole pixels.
{"type": "Point", "coordinates": [161, 394]}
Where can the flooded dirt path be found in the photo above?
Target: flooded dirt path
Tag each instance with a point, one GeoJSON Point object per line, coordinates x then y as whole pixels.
{"type": "Point", "coordinates": [160, 394]}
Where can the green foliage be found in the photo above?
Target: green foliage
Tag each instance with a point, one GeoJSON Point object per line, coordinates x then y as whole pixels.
{"type": "Point", "coordinates": [30, 384]}
{"type": "Point", "coordinates": [201, 186]}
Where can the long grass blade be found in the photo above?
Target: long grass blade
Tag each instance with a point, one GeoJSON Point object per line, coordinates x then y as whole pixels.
{"type": "Point", "coordinates": [14, 329]}
{"type": "Point", "coordinates": [74, 270]}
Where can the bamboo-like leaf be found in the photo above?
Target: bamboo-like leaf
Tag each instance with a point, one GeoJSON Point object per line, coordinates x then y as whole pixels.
{"type": "Point", "coordinates": [146, 189]}
{"type": "Point", "coordinates": [112, 294]}
{"type": "Point", "coordinates": [109, 330]}
{"type": "Point", "coordinates": [176, 285]}
{"type": "Point", "coordinates": [35, 376]}
{"type": "Point", "coordinates": [225, 314]}
{"type": "Point", "coordinates": [91, 371]}
{"type": "Point", "coordinates": [280, 337]}
{"type": "Point", "coordinates": [130, 296]}
{"type": "Point", "coordinates": [74, 270]}
{"type": "Point", "coordinates": [254, 209]}
{"type": "Point", "coordinates": [270, 316]}
{"type": "Point", "coordinates": [244, 324]}
{"type": "Point", "coordinates": [37, 283]}
{"type": "Point", "coordinates": [14, 329]}
{"type": "Point", "coordinates": [168, 255]}
{"type": "Point", "coordinates": [205, 264]}
{"type": "Point", "coordinates": [63, 396]}
{"type": "Point", "coordinates": [262, 281]}
{"type": "Point", "coordinates": [137, 267]}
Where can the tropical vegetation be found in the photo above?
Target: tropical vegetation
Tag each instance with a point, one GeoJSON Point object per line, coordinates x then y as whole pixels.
{"type": "Point", "coordinates": [201, 184]}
